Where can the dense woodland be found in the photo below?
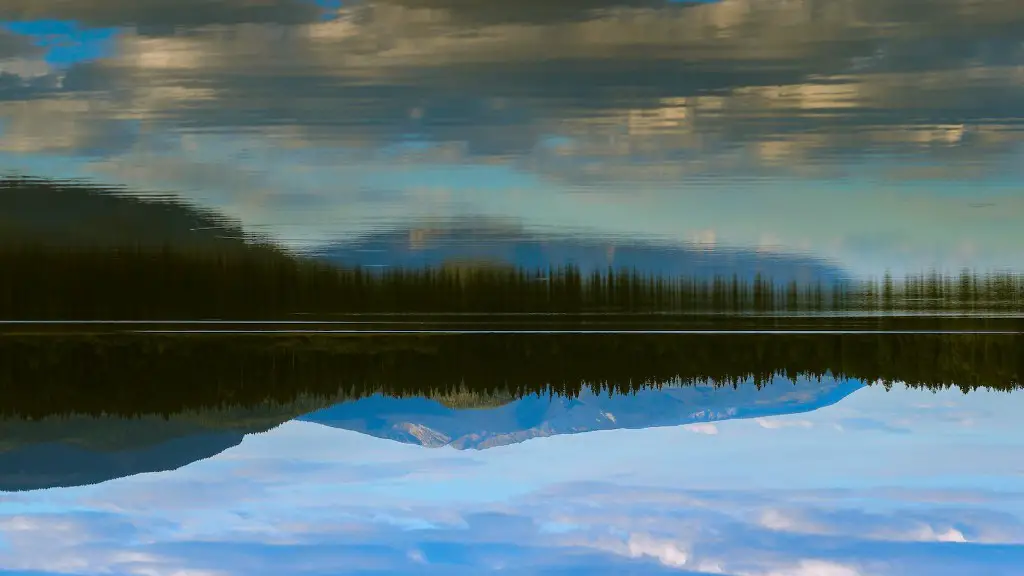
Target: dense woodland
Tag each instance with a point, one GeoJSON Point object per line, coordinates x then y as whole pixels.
{"type": "Point", "coordinates": [166, 374]}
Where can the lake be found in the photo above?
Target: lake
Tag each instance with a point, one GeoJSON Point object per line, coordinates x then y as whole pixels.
{"type": "Point", "coordinates": [468, 286]}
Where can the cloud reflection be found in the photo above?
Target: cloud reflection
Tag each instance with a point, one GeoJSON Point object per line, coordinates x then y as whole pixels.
{"type": "Point", "coordinates": [663, 113]}
{"type": "Point", "coordinates": [764, 84]}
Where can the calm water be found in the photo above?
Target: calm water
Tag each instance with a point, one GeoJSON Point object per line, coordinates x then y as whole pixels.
{"type": "Point", "coordinates": [532, 287]}
{"type": "Point", "coordinates": [847, 137]}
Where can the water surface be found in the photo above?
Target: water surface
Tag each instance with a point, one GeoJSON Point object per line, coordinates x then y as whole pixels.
{"type": "Point", "coordinates": [856, 135]}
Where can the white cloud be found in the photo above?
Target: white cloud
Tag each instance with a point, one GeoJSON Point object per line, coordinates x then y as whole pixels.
{"type": "Point", "coordinates": [417, 556]}
{"type": "Point", "coordinates": [703, 531]}
{"type": "Point", "coordinates": [702, 428]}
{"type": "Point", "coordinates": [666, 551]}
{"type": "Point", "coordinates": [928, 533]}
{"type": "Point", "coordinates": [810, 568]}
{"type": "Point", "coordinates": [778, 423]}
{"type": "Point", "coordinates": [775, 519]}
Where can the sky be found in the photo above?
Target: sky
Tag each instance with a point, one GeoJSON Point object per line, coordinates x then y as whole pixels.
{"type": "Point", "coordinates": [900, 482]}
{"type": "Point", "coordinates": [868, 134]}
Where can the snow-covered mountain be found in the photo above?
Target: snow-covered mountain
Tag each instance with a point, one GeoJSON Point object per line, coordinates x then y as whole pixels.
{"type": "Point", "coordinates": [85, 450]}
{"type": "Point", "coordinates": [430, 423]}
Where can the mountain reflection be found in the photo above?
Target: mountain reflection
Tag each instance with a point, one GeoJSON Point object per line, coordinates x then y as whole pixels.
{"type": "Point", "coordinates": [871, 134]}
{"type": "Point", "coordinates": [117, 257]}
{"type": "Point", "coordinates": [683, 82]}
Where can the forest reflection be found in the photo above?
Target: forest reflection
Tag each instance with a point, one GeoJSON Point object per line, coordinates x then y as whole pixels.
{"type": "Point", "coordinates": [72, 252]}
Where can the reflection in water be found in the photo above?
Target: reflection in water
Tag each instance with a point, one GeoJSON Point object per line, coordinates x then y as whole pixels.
{"type": "Point", "coordinates": [263, 284]}
{"type": "Point", "coordinates": [873, 135]}
{"type": "Point", "coordinates": [110, 257]}
{"type": "Point", "coordinates": [823, 193]}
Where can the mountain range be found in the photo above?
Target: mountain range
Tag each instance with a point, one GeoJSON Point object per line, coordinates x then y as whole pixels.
{"type": "Point", "coordinates": [431, 423]}
{"type": "Point", "coordinates": [81, 450]}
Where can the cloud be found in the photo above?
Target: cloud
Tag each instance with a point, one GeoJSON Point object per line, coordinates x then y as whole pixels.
{"type": "Point", "coordinates": [870, 425]}
{"type": "Point", "coordinates": [298, 525]}
{"type": "Point", "coordinates": [778, 423]}
{"type": "Point", "coordinates": [666, 551]}
{"type": "Point", "coordinates": [702, 428]}
{"type": "Point", "coordinates": [952, 525]}
{"type": "Point", "coordinates": [814, 568]}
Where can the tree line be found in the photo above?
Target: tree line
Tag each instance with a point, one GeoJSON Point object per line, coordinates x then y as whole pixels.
{"type": "Point", "coordinates": [166, 374]}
